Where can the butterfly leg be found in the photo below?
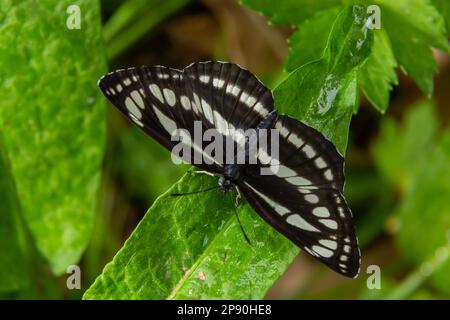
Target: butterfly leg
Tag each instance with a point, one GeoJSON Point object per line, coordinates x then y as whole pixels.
{"type": "Point", "coordinates": [204, 172]}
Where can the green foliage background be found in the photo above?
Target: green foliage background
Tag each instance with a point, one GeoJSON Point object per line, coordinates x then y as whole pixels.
{"type": "Point", "coordinates": [72, 192]}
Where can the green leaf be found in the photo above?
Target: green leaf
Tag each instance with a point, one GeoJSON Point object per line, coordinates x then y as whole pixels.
{"type": "Point", "coordinates": [324, 93]}
{"type": "Point", "coordinates": [396, 145]}
{"type": "Point", "coordinates": [192, 247]}
{"type": "Point", "coordinates": [14, 274]}
{"type": "Point", "coordinates": [378, 74]}
{"type": "Point", "coordinates": [53, 122]}
{"type": "Point", "coordinates": [414, 26]}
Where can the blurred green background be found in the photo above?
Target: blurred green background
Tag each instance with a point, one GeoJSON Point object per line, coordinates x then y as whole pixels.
{"type": "Point", "coordinates": [397, 163]}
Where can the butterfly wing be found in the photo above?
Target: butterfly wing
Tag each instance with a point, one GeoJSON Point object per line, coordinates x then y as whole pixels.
{"type": "Point", "coordinates": [212, 95]}
{"type": "Point", "coordinates": [302, 197]}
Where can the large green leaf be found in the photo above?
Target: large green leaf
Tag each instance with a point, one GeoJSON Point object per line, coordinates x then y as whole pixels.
{"type": "Point", "coordinates": [191, 246]}
{"type": "Point", "coordinates": [323, 93]}
{"type": "Point", "coordinates": [52, 119]}
{"type": "Point", "coordinates": [378, 74]}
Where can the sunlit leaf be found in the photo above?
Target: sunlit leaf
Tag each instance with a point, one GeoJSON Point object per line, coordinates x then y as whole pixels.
{"type": "Point", "coordinates": [412, 28]}
{"type": "Point", "coordinates": [378, 74]}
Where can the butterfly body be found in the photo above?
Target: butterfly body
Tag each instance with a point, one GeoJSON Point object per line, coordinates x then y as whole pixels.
{"type": "Point", "coordinates": [294, 182]}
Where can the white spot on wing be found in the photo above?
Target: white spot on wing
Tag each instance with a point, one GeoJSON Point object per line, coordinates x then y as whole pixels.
{"type": "Point", "coordinates": [320, 163]}
{"type": "Point", "coordinates": [283, 130]}
{"type": "Point", "coordinates": [137, 98]}
{"type": "Point", "coordinates": [259, 108]}
{"type": "Point", "coordinates": [328, 175]}
{"type": "Point", "coordinates": [282, 171]}
{"type": "Point", "coordinates": [324, 252]}
{"type": "Point", "coordinates": [299, 222]}
{"type": "Point", "coordinates": [311, 252]}
{"type": "Point", "coordinates": [296, 140]}
{"type": "Point", "coordinates": [207, 111]}
{"type": "Point", "coordinates": [263, 156]}
{"type": "Point", "coordinates": [311, 198]}
{"type": "Point", "coordinates": [321, 212]}
{"type": "Point", "coordinates": [163, 76]}
{"type": "Point", "coordinates": [169, 95]}
{"type": "Point", "coordinates": [221, 124]}
{"type": "Point", "coordinates": [168, 124]}
{"type": "Point", "coordinates": [309, 151]}
{"type": "Point", "coordinates": [233, 89]}
{"type": "Point", "coordinates": [218, 83]}
{"type": "Point", "coordinates": [185, 103]}
{"type": "Point", "coordinates": [299, 181]}
{"type": "Point", "coordinates": [329, 223]}
{"type": "Point", "coordinates": [275, 205]}
{"type": "Point", "coordinates": [328, 243]}
{"type": "Point", "coordinates": [132, 108]}
{"type": "Point", "coordinates": [139, 123]}
{"type": "Point", "coordinates": [247, 99]}
{"type": "Point", "coordinates": [204, 78]}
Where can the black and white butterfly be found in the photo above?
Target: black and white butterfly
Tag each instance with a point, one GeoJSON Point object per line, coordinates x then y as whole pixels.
{"type": "Point", "coordinates": [303, 200]}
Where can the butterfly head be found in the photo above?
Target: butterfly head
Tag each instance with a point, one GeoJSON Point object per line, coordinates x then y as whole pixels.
{"type": "Point", "coordinates": [226, 184]}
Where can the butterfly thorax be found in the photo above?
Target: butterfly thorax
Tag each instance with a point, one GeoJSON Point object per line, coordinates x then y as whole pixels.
{"type": "Point", "coordinates": [232, 174]}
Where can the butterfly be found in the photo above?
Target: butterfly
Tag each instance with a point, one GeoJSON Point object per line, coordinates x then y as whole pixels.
{"type": "Point", "coordinates": [303, 197]}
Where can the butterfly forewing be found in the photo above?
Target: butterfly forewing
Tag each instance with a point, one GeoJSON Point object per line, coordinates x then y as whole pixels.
{"type": "Point", "coordinates": [216, 95]}
{"type": "Point", "coordinates": [302, 195]}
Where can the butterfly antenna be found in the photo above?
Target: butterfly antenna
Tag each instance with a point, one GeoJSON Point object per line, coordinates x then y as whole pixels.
{"type": "Point", "coordinates": [242, 228]}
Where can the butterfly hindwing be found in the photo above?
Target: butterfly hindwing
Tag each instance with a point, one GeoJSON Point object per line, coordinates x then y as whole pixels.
{"type": "Point", "coordinates": [302, 196]}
